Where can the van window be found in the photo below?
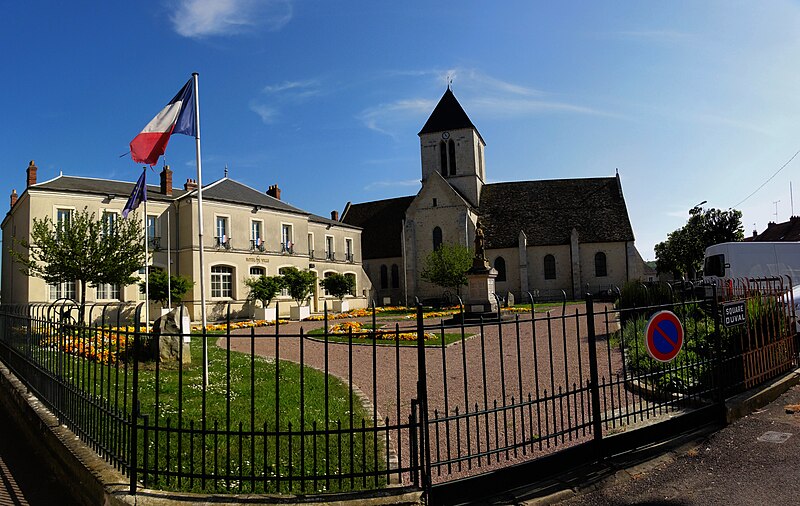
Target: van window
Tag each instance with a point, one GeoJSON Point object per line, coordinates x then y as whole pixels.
{"type": "Point", "coordinates": [715, 266]}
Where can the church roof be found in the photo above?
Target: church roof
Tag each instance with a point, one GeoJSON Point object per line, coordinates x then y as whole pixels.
{"type": "Point", "coordinates": [447, 115]}
{"type": "Point", "coordinates": [548, 211]}
{"type": "Point", "coordinates": [382, 222]}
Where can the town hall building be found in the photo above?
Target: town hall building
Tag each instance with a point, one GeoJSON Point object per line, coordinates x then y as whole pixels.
{"type": "Point", "coordinates": [541, 237]}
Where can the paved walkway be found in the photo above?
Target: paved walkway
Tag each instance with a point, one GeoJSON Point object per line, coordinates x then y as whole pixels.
{"type": "Point", "coordinates": [752, 461]}
{"type": "Point", "coordinates": [24, 479]}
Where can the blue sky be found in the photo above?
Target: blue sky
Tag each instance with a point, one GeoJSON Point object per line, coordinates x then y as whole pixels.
{"type": "Point", "coordinates": [690, 100]}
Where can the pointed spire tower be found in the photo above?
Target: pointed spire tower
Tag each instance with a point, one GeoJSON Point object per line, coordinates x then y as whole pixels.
{"type": "Point", "coordinates": [451, 146]}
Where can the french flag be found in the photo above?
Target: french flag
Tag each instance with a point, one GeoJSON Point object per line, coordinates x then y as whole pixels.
{"type": "Point", "coordinates": [178, 117]}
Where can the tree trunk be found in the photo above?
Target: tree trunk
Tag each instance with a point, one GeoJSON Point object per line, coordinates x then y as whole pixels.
{"type": "Point", "coordinates": [83, 302]}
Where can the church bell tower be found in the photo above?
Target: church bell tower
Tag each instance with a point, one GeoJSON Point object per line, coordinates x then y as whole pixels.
{"type": "Point", "coordinates": [451, 146]}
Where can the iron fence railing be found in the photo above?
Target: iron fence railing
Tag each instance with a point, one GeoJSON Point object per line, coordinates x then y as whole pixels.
{"type": "Point", "coordinates": [372, 403]}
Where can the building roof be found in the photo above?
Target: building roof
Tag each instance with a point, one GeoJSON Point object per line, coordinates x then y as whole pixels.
{"type": "Point", "coordinates": [447, 115]}
{"type": "Point", "coordinates": [786, 231]}
{"type": "Point", "coordinates": [93, 186]}
{"type": "Point", "coordinates": [228, 190]}
{"type": "Point", "coordinates": [382, 222]}
{"type": "Point", "coordinates": [548, 210]}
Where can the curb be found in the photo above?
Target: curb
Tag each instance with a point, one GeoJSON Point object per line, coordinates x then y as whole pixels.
{"type": "Point", "coordinates": [745, 403]}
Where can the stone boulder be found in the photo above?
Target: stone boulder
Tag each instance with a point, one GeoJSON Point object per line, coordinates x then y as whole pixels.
{"type": "Point", "coordinates": [169, 335]}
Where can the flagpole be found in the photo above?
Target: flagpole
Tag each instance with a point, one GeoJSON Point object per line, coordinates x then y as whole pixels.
{"type": "Point", "coordinates": [146, 261]}
{"type": "Point", "coordinates": [169, 265]}
{"type": "Point", "coordinates": [200, 224]}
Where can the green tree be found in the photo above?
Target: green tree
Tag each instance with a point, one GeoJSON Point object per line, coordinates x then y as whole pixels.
{"type": "Point", "coordinates": [299, 283]}
{"type": "Point", "coordinates": [264, 288]}
{"type": "Point", "coordinates": [157, 279]}
{"type": "Point", "coordinates": [338, 285]}
{"type": "Point", "coordinates": [83, 249]}
{"type": "Point", "coordinates": [447, 266]}
{"type": "Point", "coordinates": [683, 251]}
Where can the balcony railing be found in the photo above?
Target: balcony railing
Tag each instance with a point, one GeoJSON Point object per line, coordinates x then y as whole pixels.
{"type": "Point", "coordinates": [311, 254]}
{"type": "Point", "coordinates": [222, 242]}
{"type": "Point", "coordinates": [349, 257]}
{"type": "Point", "coordinates": [154, 243]}
{"type": "Point", "coordinates": [256, 245]}
{"type": "Point", "coordinates": [287, 249]}
{"type": "Point", "coordinates": [330, 255]}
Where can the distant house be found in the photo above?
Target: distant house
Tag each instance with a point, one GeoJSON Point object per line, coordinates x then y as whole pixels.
{"type": "Point", "coordinates": [541, 236]}
{"type": "Point", "coordinates": [786, 231]}
{"type": "Point", "coordinates": [246, 233]}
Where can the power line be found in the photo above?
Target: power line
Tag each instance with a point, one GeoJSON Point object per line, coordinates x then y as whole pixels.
{"type": "Point", "coordinates": [770, 179]}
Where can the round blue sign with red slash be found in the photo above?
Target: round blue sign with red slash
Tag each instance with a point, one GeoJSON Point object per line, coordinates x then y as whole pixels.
{"type": "Point", "coordinates": [663, 336]}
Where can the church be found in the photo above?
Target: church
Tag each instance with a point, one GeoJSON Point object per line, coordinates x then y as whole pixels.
{"type": "Point", "coordinates": [542, 237]}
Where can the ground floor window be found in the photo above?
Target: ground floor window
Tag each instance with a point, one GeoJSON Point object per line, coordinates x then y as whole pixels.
{"type": "Point", "coordinates": [64, 290]}
{"type": "Point", "coordinates": [107, 291]}
{"type": "Point", "coordinates": [222, 281]}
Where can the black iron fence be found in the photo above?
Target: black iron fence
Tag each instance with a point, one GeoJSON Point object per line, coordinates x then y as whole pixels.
{"type": "Point", "coordinates": [368, 402]}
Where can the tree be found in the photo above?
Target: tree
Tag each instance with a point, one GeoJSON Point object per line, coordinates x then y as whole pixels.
{"type": "Point", "coordinates": [264, 288]}
{"type": "Point", "coordinates": [82, 249]}
{"type": "Point", "coordinates": [338, 285]}
{"type": "Point", "coordinates": [299, 283]}
{"type": "Point", "coordinates": [157, 279]}
{"type": "Point", "coordinates": [683, 251]}
{"type": "Point", "coordinates": [447, 266]}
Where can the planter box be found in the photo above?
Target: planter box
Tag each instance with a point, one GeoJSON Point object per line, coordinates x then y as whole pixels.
{"type": "Point", "coordinates": [265, 313]}
{"type": "Point", "coordinates": [340, 306]}
{"type": "Point", "coordinates": [299, 313]}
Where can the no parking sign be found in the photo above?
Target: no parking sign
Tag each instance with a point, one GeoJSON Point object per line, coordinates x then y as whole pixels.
{"type": "Point", "coordinates": [663, 336]}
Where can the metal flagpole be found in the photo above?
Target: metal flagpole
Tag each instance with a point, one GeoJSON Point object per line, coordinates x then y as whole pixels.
{"type": "Point", "coordinates": [169, 266]}
{"type": "Point", "coordinates": [200, 224]}
{"type": "Point", "coordinates": [146, 260]}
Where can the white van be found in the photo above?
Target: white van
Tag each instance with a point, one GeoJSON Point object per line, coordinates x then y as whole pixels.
{"type": "Point", "coordinates": [752, 260]}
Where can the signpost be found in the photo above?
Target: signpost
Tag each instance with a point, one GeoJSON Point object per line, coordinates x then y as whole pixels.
{"type": "Point", "coordinates": [663, 336]}
{"type": "Point", "coordinates": [734, 313]}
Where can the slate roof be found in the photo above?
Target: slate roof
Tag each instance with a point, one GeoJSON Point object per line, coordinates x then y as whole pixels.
{"type": "Point", "coordinates": [228, 190]}
{"type": "Point", "coordinates": [92, 186]}
{"type": "Point", "coordinates": [786, 231]}
{"type": "Point", "coordinates": [548, 211]}
{"type": "Point", "coordinates": [382, 222]}
{"type": "Point", "coordinates": [447, 115]}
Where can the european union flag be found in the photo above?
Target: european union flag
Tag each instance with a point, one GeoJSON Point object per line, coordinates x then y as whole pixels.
{"type": "Point", "coordinates": [137, 196]}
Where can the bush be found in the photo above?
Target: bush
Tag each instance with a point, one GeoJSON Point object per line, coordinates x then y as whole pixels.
{"type": "Point", "coordinates": [338, 285]}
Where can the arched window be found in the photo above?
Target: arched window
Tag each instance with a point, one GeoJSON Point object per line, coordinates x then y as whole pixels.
{"type": "Point", "coordinates": [600, 269]}
{"type": "Point", "coordinates": [384, 277]}
{"type": "Point", "coordinates": [395, 276]}
{"type": "Point", "coordinates": [437, 238]}
{"type": "Point", "coordinates": [222, 281]}
{"type": "Point", "coordinates": [549, 267]}
{"type": "Point", "coordinates": [352, 276]}
{"type": "Point", "coordinates": [500, 267]}
{"type": "Point", "coordinates": [443, 158]}
{"type": "Point", "coordinates": [451, 148]}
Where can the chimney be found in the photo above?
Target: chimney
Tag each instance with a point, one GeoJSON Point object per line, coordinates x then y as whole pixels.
{"type": "Point", "coordinates": [335, 215]}
{"type": "Point", "coordinates": [31, 172]}
{"type": "Point", "coordinates": [166, 181]}
{"type": "Point", "coordinates": [13, 197]}
{"type": "Point", "coordinates": [274, 192]}
{"type": "Point", "coordinates": [190, 185]}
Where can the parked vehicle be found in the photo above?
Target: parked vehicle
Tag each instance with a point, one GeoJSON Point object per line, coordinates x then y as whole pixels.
{"type": "Point", "coordinates": [740, 260]}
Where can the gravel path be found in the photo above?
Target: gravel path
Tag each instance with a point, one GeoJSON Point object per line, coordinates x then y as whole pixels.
{"type": "Point", "coordinates": [485, 376]}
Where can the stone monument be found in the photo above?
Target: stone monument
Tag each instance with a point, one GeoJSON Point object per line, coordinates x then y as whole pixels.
{"type": "Point", "coordinates": [171, 332]}
{"type": "Point", "coordinates": [480, 300]}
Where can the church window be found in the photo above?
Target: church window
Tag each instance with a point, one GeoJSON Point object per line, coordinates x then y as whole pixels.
{"type": "Point", "coordinates": [549, 267]}
{"type": "Point", "coordinates": [451, 149]}
{"type": "Point", "coordinates": [600, 269]}
{"type": "Point", "coordinates": [384, 277]}
{"type": "Point", "coordinates": [395, 276]}
{"type": "Point", "coordinates": [443, 158]}
{"type": "Point", "coordinates": [437, 238]}
{"type": "Point", "coordinates": [500, 267]}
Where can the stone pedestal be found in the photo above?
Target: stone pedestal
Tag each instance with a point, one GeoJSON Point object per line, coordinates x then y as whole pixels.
{"type": "Point", "coordinates": [480, 298]}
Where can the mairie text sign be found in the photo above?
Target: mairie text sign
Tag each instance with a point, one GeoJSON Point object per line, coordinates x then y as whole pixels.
{"type": "Point", "coordinates": [663, 336]}
{"type": "Point", "coordinates": [734, 313]}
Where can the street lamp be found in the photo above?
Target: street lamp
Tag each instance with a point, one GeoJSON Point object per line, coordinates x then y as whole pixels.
{"type": "Point", "coordinates": [696, 208]}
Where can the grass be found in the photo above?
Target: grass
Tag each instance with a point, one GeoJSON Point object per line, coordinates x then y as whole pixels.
{"type": "Point", "coordinates": [280, 450]}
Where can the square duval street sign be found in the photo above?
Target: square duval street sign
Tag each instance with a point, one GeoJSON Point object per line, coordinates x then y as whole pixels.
{"type": "Point", "coordinates": [734, 313]}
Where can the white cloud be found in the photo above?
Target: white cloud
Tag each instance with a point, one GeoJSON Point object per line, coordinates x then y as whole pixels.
{"type": "Point", "coordinates": [203, 18]}
{"type": "Point", "coordinates": [377, 117]}
{"type": "Point", "coordinates": [287, 92]}
{"type": "Point", "coordinates": [265, 112]}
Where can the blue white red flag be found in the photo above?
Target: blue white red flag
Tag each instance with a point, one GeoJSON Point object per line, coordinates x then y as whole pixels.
{"type": "Point", "coordinates": [178, 117]}
{"type": "Point", "coordinates": [137, 196]}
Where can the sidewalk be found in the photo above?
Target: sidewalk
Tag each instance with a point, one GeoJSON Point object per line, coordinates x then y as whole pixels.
{"type": "Point", "coordinates": [752, 461]}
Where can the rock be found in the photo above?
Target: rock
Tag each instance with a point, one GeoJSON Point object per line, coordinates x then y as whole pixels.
{"type": "Point", "coordinates": [168, 338]}
{"type": "Point", "coordinates": [510, 299]}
